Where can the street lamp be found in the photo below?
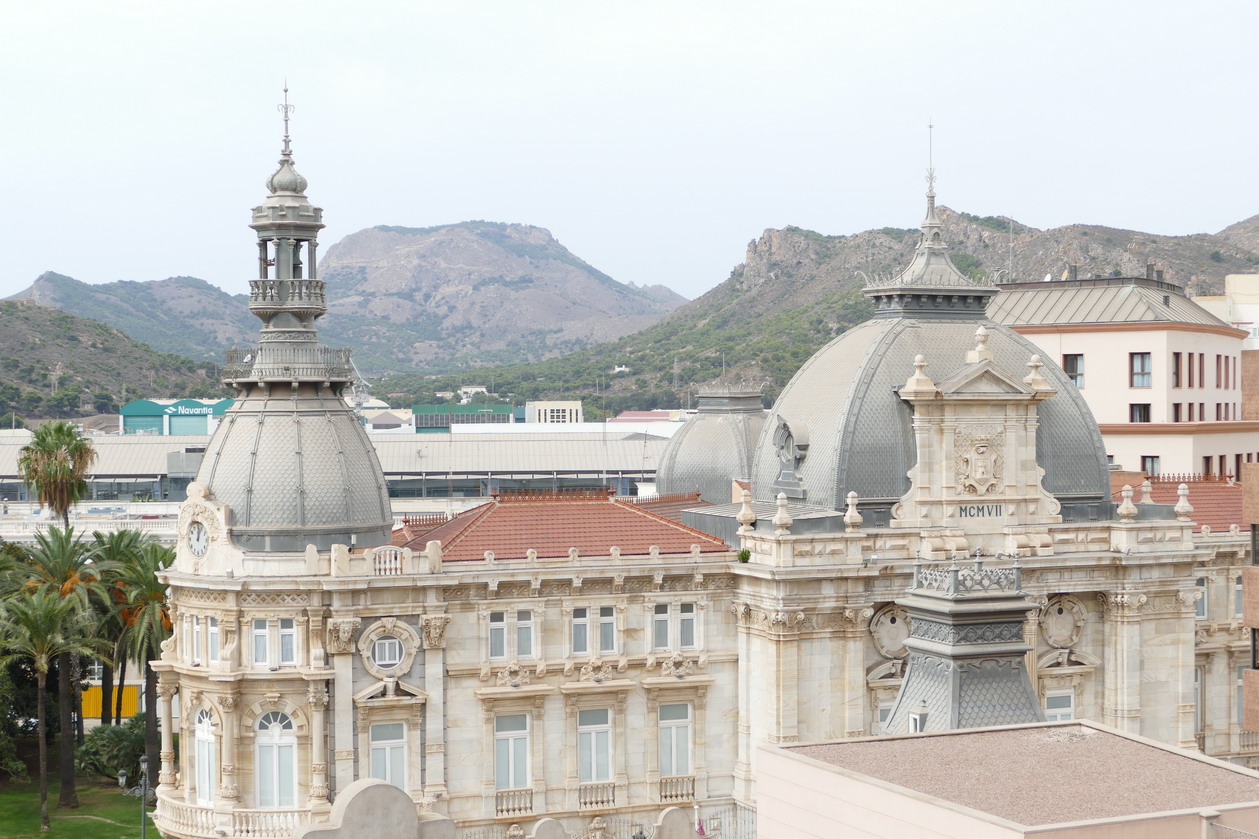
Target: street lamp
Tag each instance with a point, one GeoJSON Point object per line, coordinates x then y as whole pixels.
{"type": "Point", "coordinates": [141, 792]}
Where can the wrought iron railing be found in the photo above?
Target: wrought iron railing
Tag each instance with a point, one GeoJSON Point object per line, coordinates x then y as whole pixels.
{"type": "Point", "coordinates": [307, 362]}
{"type": "Point", "coordinates": [955, 579]}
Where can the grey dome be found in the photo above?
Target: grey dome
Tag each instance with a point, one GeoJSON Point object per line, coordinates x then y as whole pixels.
{"type": "Point", "coordinates": [714, 447]}
{"type": "Point", "coordinates": [297, 470]}
{"type": "Point", "coordinates": [860, 431]}
{"type": "Point", "coordinates": [286, 179]}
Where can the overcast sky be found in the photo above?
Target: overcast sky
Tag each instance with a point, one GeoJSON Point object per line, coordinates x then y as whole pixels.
{"type": "Point", "coordinates": [653, 139]}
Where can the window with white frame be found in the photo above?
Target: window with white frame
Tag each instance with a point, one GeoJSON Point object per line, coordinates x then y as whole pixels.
{"type": "Point", "coordinates": [1200, 608]}
{"type": "Point", "coordinates": [675, 739]}
{"type": "Point", "coordinates": [387, 651]}
{"type": "Point", "coordinates": [206, 770]}
{"type": "Point", "coordinates": [673, 626]}
{"type": "Point", "coordinates": [288, 641]}
{"type": "Point", "coordinates": [594, 745]}
{"type": "Point", "coordinates": [1237, 597]}
{"type": "Point", "coordinates": [594, 627]}
{"type": "Point", "coordinates": [261, 644]}
{"type": "Point", "coordinates": [516, 627]}
{"type": "Point", "coordinates": [389, 753]}
{"type": "Point", "coordinates": [275, 761]}
{"type": "Point", "coordinates": [196, 639]}
{"type": "Point", "coordinates": [511, 751]}
{"type": "Point", "coordinates": [95, 670]}
{"type": "Point", "coordinates": [1059, 705]}
{"type": "Point", "coordinates": [212, 638]}
{"type": "Point", "coordinates": [885, 711]}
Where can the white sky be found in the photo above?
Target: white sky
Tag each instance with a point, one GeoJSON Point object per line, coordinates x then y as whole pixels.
{"type": "Point", "coordinates": [654, 139]}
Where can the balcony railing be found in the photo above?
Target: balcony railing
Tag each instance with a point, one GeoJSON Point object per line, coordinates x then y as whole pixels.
{"type": "Point", "coordinates": [183, 819]}
{"type": "Point", "coordinates": [278, 362]}
{"type": "Point", "coordinates": [596, 795]}
{"type": "Point", "coordinates": [268, 824]}
{"type": "Point", "coordinates": [304, 294]}
{"type": "Point", "coordinates": [677, 788]}
{"type": "Point", "coordinates": [513, 802]}
{"type": "Point", "coordinates": [387, 561]}
{"type": "Point", "coordinates": [1249, 741]}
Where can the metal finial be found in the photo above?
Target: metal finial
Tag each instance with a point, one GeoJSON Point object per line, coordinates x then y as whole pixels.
{"type": "Point", "coordinates": [931, 170]}
{"type": "Point", "coordinates": [286, 109]}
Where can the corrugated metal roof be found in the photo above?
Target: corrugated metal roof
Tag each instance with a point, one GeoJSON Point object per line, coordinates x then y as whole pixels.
{"type": "Point", "coordinates": [1118, 300]}
{"type": "Point", "coordinates": [403, 454]}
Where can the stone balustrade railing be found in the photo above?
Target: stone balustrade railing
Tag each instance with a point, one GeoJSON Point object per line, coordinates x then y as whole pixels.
{"type": "Point", "coordinates": [596, 795]}
{"type": "Point", "coordinates": [513, 802]}
{"type": "Point", "coordinates": [677, 788]}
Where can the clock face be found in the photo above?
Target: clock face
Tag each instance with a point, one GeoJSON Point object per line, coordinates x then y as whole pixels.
{"type": "Point", "coordinates": [198, 539]}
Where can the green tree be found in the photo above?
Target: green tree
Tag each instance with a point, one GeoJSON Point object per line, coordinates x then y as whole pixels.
{"type": "Point", "coordinates": [41, 627]}
{"type": "Point", "coordinates": [117, 549]}
{"type": "Point", "coordinates": [55, 464]}
{"type": "Point", "coordinates": [147, 620]}
{"type": "Point", "coordinates": [66, 567]}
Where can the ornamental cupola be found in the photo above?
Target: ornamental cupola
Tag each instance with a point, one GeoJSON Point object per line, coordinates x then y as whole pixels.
{"type": "Point", "coordinates": [290, 460]}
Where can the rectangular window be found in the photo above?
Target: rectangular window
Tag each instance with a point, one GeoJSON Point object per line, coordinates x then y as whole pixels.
{"type": "Point", "coordinates": [389, 753]}
{"type": "Point", "coordinates": [1197, 699]}
{"type": "Point", "coordinates": [581, 631]}
{"type": "Point", "coordinates": [95, 670]}
{"type": "Point", "coordinates": [1176, 411]}
{"type": "Point", "coordinates": [288, 641]}
{"type": "Point", "coordinates": [1176, 369]}
{"type": "Point", "coordinates": [1218, 378]}
{"type": "Point", "coordinates": [196, 639]}
{"type": "Point", "coordinates": [212, 634]}
{"type": "Point", "coordinates": [674, 626]}
{"type": "Point", "coordinates": [1217, 412]}
{"type": "Point", "coordinates": [1073, 366]}
{"type": "Point", "coordinates": [594, 745]}
{"type": "Point", "coordinates": [1059, 705]}
{"type": "Point", "coordinates": [524, 634]}
{"type": "Point", "coordinates": [1237, 597]}
{"type": "Point", "coordinates": [260, 641]}
{"type": "Point", "coordinates": [1139, 369]}
{"type": "Point", "coordinates": [607, 629]}
{"type": "Point", "coordinates": [1191, 412]}
{"type": "Point", "coordinates": [1202, 369]}
{"type": "Point", "coordinates": [1139, 412]}
{"type": "Point", "coordinates": [511, 751]}
{"type": "Point", "coordinates": [675, 739]}
{"type": "Point", "coordinates": [1191, 366]}
{"type": "Point", "coordinates": [1149, 464]}
{"type": "Point", "coordinates": [1207, 462]}
{"type": "Point", "coordinates": [498, 635]}
{"type": "Point", "coordinates": [1200, 608]}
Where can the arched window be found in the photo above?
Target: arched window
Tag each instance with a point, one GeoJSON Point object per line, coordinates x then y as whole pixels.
{"type": "Point", "coordinates": [275, 763]}
{"type": "Point", "coordinates": [206, 770]}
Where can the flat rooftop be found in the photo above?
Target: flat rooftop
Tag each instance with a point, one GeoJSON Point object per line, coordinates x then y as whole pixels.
{"type": "Point", "coordinates": [1048, 773]}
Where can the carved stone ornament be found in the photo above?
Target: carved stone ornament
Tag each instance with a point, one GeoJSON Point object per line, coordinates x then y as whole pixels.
{"type": "Point", "coordinates": [677, 665]}
{"type": "Point", "coordinates": [341, 634]}
{"type": "Point", "coordinates": [433, 628]}
{"type": "Point", "coordinates": [513, 675]}
{"type": "Point", "coordinates": [979, 460]}
{"type": "Point", "coordinates": [888, 629]}
{"type": "Point", "coordinates": [792, 450]}
{"type": "Point", "coordinates": [1062, 622]}
{"type": "Point", "coordinates": [595, 670]}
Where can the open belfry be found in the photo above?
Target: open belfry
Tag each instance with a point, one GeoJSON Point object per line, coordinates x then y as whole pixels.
{"type": "Point", "coordinates": [928, 539]}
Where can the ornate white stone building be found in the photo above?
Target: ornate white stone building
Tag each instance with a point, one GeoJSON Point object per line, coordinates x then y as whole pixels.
{"type": "Point", "coordinates": [579, 665]}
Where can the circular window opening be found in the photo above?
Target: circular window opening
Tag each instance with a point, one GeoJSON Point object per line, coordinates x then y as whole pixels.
{"type": "Point", "coordinates": [387, 651]}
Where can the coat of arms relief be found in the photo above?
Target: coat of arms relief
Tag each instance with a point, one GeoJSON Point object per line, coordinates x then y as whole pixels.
{"type": "Point", "coordinates": [979, 459]}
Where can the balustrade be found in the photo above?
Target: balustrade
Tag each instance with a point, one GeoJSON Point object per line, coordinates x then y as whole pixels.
{"type": "Point", "coordinates": [1248, 741]}
{"type": "Point", "coordinates": [387, 561]}
{"type": "Point", "coordinates": [677, 788]}
{"type": "Point", "coordinates": [596, 795]}
{"type": "Point", "coordinates": [513, 802]}
{"type": "Point", "coordinates": [268, 824]}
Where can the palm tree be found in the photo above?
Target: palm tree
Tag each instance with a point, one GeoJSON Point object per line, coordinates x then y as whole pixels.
{"type": "Point", "coordinates": [40, 626]}
{"type": "Point", "coordinates": [54, 464]}
{"type": "Point", "coordinates": [64, 566]}
{"type": "Point", "coordinates": [117, 548]}
{"type": "Point", "coordinates": [147, 620]}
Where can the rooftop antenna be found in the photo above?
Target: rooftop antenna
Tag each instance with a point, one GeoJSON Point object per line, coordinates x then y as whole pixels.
{"type": "Point", "coordinates": [931, 169]}
{"type": "Point", "coordinates": [286, 109]}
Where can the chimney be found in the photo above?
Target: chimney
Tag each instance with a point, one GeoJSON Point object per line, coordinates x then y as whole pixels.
{"type": "Point", "coordinates": [1158, 275]}
{"type": "Point", "coordinates": [1149, 270]}
{"type": "Point", "coordinates": [1073, 272]}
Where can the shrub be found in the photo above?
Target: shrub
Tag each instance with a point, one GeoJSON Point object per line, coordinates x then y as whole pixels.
{"type": "Point", "coordinates": [108, 748]}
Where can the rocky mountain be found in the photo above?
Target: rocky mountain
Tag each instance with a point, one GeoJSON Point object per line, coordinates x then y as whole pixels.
{"type": "Point", "coordinates": [181, 315]}
{"type": "Point", "coordinates": [53, 364]}
{"type": "Point", "coordinates": [478, 292]}
{"type": "Point", "coordinates": [438, 298]}
{"type": "Point", "coordinates": [796, 289]}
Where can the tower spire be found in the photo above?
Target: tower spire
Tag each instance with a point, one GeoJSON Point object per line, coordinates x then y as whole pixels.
{"type": "Point", "coordinates": [286, 109]}
{"type": "Point", "coordinates": [286, 178]}
{"type": "Point", "coordinates": [931, 224]}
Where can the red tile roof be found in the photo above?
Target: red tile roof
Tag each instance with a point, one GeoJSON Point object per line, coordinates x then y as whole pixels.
{"type": "Point", "coordinates": [1216, 503]}
{"type": "Point", "coordinates": [591, 522]}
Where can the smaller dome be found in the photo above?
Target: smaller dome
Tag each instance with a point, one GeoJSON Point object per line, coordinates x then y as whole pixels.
{"type": "Point", "coordinates": [715, 447]}
{"type": "Point", "coordinates": [286, 178]}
